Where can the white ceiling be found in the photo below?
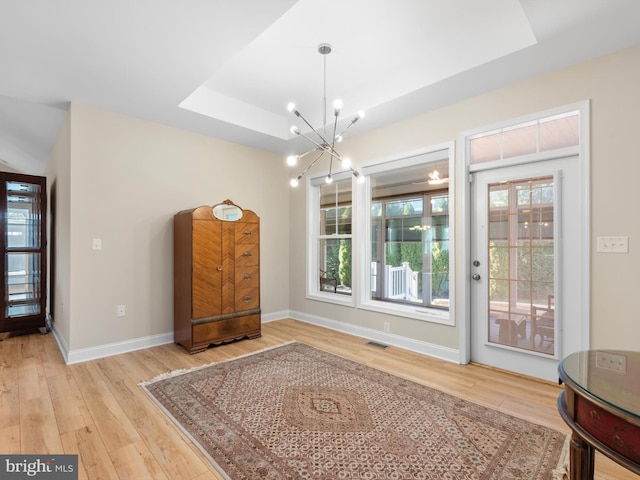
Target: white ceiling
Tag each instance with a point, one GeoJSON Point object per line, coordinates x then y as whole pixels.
{"type": "Point", "coordinates": [228, 68]}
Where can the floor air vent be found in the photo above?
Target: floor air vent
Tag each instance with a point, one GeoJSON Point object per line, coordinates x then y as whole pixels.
{"type": "Point", "coordinates": [379, 345]}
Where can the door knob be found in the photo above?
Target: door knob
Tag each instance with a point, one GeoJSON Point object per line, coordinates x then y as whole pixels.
{"type": "Point", "coordinates": [476, 276]}
{"type": "Point", "coordinates": [476, 263]}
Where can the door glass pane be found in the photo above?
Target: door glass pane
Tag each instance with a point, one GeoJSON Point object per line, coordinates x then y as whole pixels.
{"type": "Point", "coordinates": [23, 282]}
{"type": "Point", "coordinates": [22, 273]}
{"type": "Point", "coordinates": [23, 215]}
{"type": "Point", "coordinates": [521, 264]}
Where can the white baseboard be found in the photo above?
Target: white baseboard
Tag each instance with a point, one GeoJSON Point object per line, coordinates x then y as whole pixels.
{"type": "Point", "coordinates": [62, 344]}
{"type": "Point", "coordinates": [101, 351]}
{"type": "Point", "coordinates": [424, 348]}
{"type": "Point", "coordinates": [272, 317]}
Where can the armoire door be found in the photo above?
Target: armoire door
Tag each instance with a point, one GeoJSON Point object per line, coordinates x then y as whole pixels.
{"type": "Point", "coordinates": [23, 244]}
{"type": "Point", "coordinates": [207, 269]}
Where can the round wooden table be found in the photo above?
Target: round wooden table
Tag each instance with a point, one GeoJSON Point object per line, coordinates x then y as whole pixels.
{"type": "Point", "coordinates": [601, 404]}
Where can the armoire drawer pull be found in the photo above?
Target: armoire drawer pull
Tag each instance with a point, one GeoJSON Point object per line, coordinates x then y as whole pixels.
{"type": "Point", "coordinates": [247, 233]}
{"type": "Point", "coordinates": [246, 299]}
{"type": "Point", "coordinates": [246, 276]}
{"type": "Point", "coordinates": [246, 254]}
{"type": "Point", "coordinates": [220, 268]}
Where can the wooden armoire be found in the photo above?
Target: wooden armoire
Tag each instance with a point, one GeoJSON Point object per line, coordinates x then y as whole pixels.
{"type": "Point", "coordinates": [216, 275]}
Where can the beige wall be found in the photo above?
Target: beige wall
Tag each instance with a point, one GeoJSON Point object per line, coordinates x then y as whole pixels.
{"type": "Point", "coordinates": [7, 168]}
{"type": "Point", "coordinates": [58, 175]}
{"type": "Point", "coordinates": [611, 83]}
{"type": "Point", "coordinates": [127, 178]}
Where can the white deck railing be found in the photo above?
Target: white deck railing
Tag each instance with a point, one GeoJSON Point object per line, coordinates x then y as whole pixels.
{"type": "Point", "coordinates": [401, 282]}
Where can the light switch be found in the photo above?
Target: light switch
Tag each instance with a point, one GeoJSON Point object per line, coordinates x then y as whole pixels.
{"type": "Point", "coordinates": [613, 245]}
{"type": "Point", "coordinates": [96, 244]}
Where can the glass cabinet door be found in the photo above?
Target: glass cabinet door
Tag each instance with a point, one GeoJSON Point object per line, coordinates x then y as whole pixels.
{"type": "Point", "coordinates": [24, 254]}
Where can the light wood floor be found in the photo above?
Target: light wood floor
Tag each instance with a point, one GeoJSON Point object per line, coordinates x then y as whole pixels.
{"type": "Point", "coordinates": [97, 410]}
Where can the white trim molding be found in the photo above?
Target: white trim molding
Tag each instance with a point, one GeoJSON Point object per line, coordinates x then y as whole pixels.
{"type": "Point", "coordinates": [424, 348]}
{"type": "Point", "coordinates": [116, 348]}
{"type": "Point", "coordinates": [106, 350]}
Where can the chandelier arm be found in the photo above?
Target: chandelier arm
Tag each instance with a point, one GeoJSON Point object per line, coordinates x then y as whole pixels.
{"type": "Point", "coordinates": [312, 163]}
{"type": "Point", "coordinates": [325, 148]}
{"type": "Point", "coordinates": [306, 153]}
{"type": "Point", "coordinates": [349, 126]}
{"type": "Point", "coordinates": [299, 115]}
{"type": "Point", "coordinates": [333, 140]}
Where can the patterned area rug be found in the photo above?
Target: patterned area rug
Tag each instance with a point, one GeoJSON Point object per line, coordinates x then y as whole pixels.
{"type": "Point", "coordinates": [296, 412]}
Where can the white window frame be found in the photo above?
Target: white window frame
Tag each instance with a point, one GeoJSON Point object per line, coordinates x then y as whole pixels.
{"type": "Point", "coordinates": [360, 237]}
{"type": "Point", "coordinates": [362, 249]}
{"type": "Point", "coordinates": [313, 235]}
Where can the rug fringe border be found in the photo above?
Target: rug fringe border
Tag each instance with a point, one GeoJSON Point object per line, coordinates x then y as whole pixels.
{"type": "Point", "coordinates": [183, 371]}
{"type": "Point", "coordinates": [175, 422]}
{"type": "Point", "coordinates": [190, 437]}
{"type": "Point", "coordinates": [561, 472]}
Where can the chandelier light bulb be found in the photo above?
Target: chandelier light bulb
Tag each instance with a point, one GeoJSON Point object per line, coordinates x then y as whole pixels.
{"type": "Point", "coordinates": [294, 182]}
{"type": "Point", "coordinates": [295, 130]}
{"type": "Point", "coordinates": [337, 106]}
{"type": "Point", "coordinates": [361, 178]}
{"type": "Point", "coordinates": [346, 162]}
{"type": "Point", "coordinates": [292, 160]}
{"type": "Point", "coordinates": [329, 179]}
{"type": "Point", "coordinates": [291, 106]}
{"type": "Point", "coordinates": [338, 138]}
{"type": "Point", "coordinates": [360, 114]}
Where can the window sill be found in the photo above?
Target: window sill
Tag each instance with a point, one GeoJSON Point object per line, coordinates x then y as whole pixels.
{"type": "Point", "coordinates": [336, 298]}
{"type": "Point", "coordinates": [432, 315]}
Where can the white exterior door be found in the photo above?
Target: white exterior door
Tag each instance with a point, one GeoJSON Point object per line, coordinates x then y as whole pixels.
{"type": "Point", "coordinates": [526, 267]}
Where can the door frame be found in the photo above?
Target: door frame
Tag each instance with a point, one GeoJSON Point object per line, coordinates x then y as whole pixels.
{"type": "Point", "coordinates": [463, 186]}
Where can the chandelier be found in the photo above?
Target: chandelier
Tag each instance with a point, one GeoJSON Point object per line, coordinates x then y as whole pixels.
{"type": "Point", "coordinates": [323, 143]}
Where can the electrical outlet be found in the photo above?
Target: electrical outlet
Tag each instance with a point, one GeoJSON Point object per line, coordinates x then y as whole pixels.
{"type": "Point", "coordinates": [611, 361]}
{"type": "Point", "coordinates": [120, 311]}
{"type": "Point", "coordinates": [96, 244]}
{"type": "Point", "coordinates": [386, 327]}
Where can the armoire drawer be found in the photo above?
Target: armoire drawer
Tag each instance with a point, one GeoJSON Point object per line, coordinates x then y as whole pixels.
{"type": "Point", "coordinates": [247, 277]}
{"type": "Point", "coordinates": [247, 298]}
{"type": "Point", "coordinates": [224, 330]}
{"type": "Point", "coordinates": [247, 254]}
